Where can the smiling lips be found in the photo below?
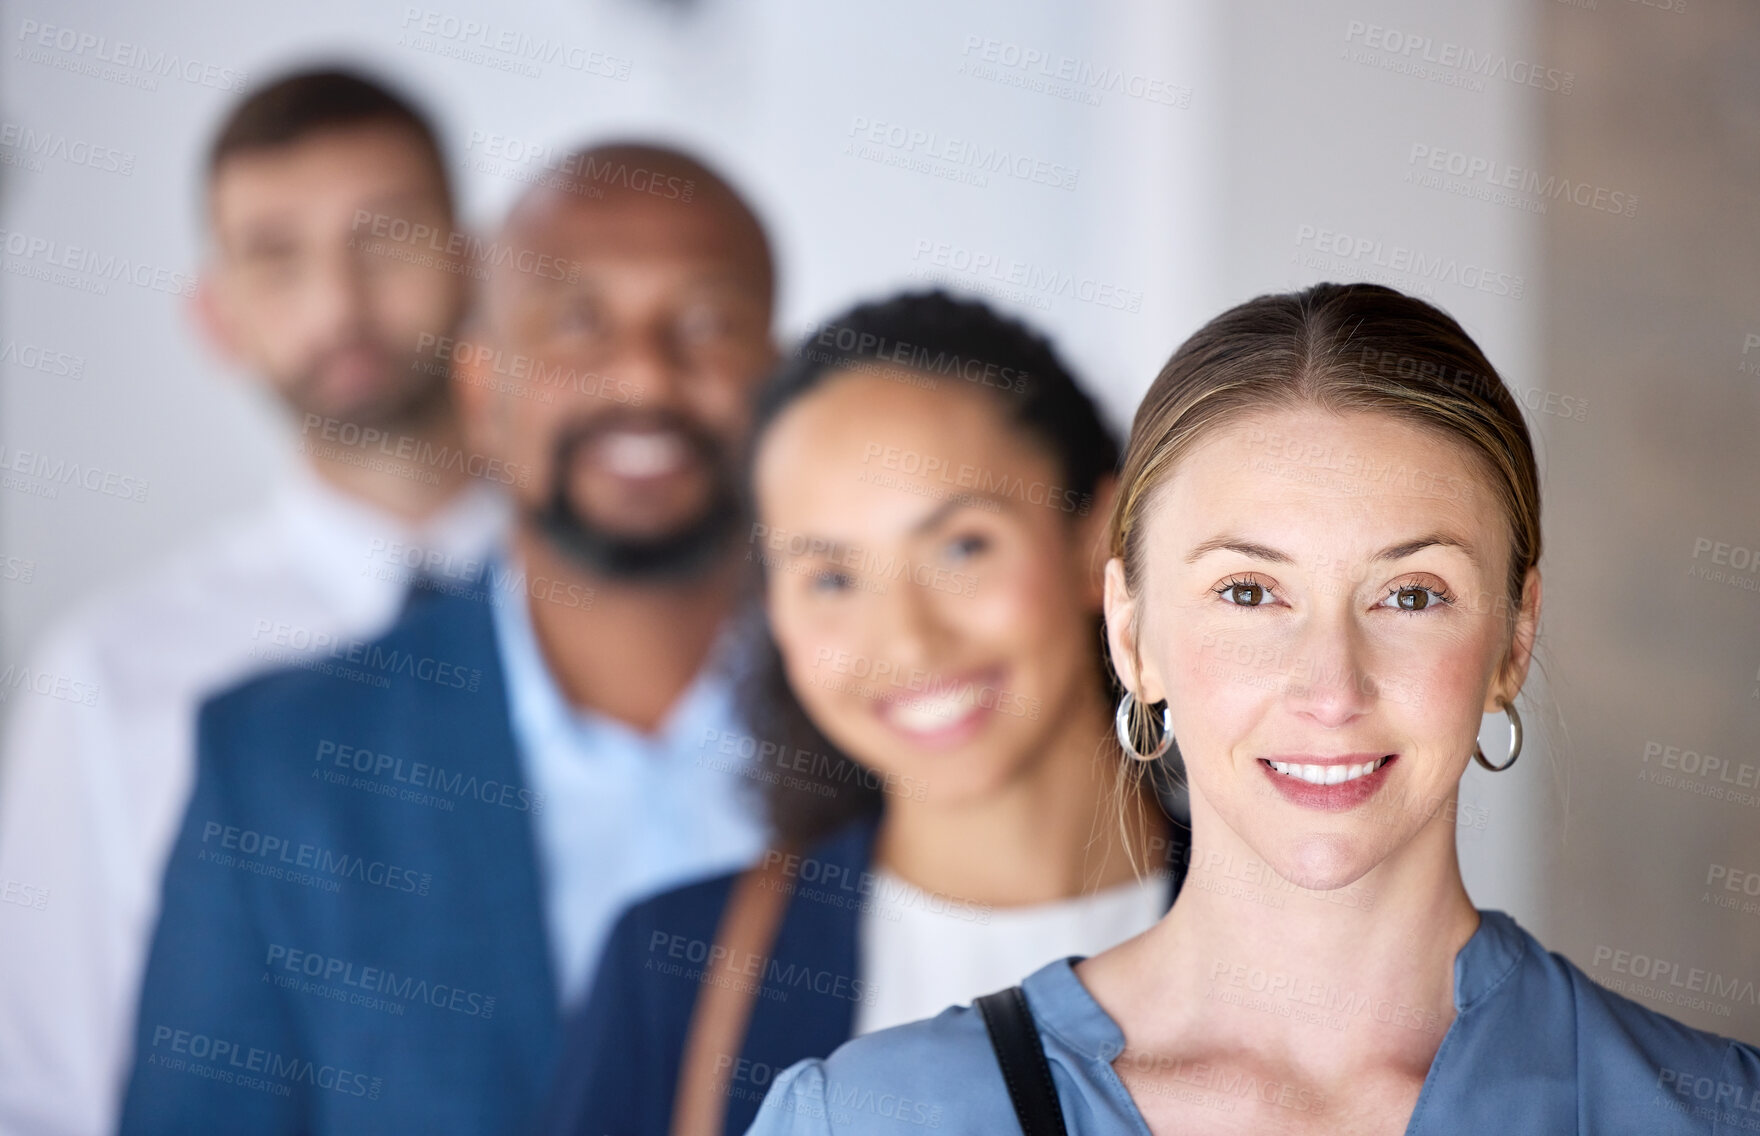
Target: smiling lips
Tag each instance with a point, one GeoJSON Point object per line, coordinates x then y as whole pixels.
{"type": "Point", "coordinates": [1328, 774]}
{"type": "Point", "coordinates": [643, 454]}
{"type": "Point", "coordinates": [950, 712]}
{"type": "Point", "coordinates": [1328, 784]}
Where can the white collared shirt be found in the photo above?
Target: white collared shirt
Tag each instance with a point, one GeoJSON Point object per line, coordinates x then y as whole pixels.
{"type": "Point", "coordinates": [625, 814]}
{"type": "Point", "coordinates": [98, 762]}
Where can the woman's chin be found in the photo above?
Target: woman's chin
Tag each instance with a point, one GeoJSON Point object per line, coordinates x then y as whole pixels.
{"type": "Point", "coordinates": [964, 788]}
{"type": "Point", "coordinates": [1322, 862]}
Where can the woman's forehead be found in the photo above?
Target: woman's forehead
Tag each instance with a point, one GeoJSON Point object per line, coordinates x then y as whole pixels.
{"type": "Point", "coordinates": [895, 420]}
{"type": "Point", "coordinates": [1329, 481]}
{"type": "Point", "coordinates": [874, 450]}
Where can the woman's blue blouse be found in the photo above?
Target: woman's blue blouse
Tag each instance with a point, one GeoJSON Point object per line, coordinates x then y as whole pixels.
{"type": "Point", "coordinates": [1535, 1047]}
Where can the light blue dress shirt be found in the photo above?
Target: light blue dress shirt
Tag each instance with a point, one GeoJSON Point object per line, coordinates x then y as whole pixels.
{"type": "Point", "coordinates": [624, 814]}
{"type": "Point", "coordinates": [1536, 1049]}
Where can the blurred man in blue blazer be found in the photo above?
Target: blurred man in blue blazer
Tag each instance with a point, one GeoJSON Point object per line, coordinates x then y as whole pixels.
{"type": "Point", "coordinates": [401, 856]}
{"type": "Point", "coordinates": [328, 329]}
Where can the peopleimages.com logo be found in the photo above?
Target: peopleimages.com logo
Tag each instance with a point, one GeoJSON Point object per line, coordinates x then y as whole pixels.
{"type": "Point", "coordinates": [233, 1062]}
{"type": "Point", "coordinates": [247, 848]}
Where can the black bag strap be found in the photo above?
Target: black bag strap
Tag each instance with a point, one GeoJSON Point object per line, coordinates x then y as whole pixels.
{"type": "Point", "coordinates": [1025, 1071]}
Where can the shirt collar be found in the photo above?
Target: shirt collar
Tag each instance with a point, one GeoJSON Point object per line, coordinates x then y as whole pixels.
{"type": "Point", "coordinates": [1489, 957]}
{"type": "Point", "coordinates": [339, 540]}
{"type": "Point", "coordinates": [1062, 1004]}
{"type": "Point", "coordinates": [541, 710]}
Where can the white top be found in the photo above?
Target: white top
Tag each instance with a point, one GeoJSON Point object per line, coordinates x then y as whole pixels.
{"type": "Point", "coordinates": [922, 953]}
{"type": "Point", "coordinates": [625, 813]}
{"type": "Point", "coordinates": [98, 762]}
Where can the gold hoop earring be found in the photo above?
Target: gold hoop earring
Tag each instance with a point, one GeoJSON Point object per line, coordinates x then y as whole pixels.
{"type": "Point", "coordinates": [1121, 725]}
{"type": "Point", "coordinates": [1515, 740]}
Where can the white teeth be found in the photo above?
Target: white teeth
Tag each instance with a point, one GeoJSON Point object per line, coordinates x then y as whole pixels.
{"type": "Point", "coordinates": [926, 714]}
{"type": "Point", "coordinates": [1326, 774]}
{"type": "Point", "coordinates": [642, 455]}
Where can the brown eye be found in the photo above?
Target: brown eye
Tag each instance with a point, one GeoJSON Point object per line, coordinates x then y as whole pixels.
{"type": "Point", "coordinates": [1415, 598]}
{"type": "Point", "coordinates": [1246, 595]}
{"type": "Point", "coordinates": [830, 582]}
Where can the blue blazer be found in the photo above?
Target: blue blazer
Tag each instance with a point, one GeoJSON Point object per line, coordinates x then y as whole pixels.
{"type": "Point", "coordinates": [625, 1045]}
{"type": "Point", "coordinates": [352, 937]}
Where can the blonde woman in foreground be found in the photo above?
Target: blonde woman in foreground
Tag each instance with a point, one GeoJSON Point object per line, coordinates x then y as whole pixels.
{"type": "Point", "coordinates": [1323, 573]}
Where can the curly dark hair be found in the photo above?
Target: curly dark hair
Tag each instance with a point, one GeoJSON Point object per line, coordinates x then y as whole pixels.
{"type": "Point", "coordinates": [817, 788]}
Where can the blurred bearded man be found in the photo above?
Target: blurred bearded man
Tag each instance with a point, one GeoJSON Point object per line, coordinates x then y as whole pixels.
{"type": "Point", "coordinates": [408, 881]}
{"type": "Point", "coordinates": [329, 321]}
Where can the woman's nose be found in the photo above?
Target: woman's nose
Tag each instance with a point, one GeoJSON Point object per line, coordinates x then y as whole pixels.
{"type": "Point", "coordinates": [1330, 683]}
{"type": "Point", "coordinates": [907, 629]}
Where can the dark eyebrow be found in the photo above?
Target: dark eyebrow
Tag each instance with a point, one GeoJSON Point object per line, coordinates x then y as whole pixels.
{"type": "Point", "coordinates": [940, 513]}
{"type": "Point", "coordinates": [835, 549]}
{"type": "Point", "coordinates": [821, 550]}
{"type": "Point", "coordinates": [1244, 547]}
{"type": "Point", "coordinates": [1392, 552]}
{"type": "Point", "coordinates": [991, 503]}
{"type": "Point", "coordinates": [1434, 540]}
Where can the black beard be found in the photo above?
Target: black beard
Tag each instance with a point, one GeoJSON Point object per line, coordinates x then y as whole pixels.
{"type": "Point", "coordinates": [682, 554]}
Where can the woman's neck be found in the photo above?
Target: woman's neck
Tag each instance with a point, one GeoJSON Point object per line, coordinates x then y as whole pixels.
{"type": "Point", "coordinates": [1053, 832]}
{"type": "Point", "coordinates": [1324, 982]}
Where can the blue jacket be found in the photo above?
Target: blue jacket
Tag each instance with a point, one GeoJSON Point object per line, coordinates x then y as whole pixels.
{"type": "Point", "coordinates": [352, 938]}
{"type": "Point", "coordinates": [620, 1066]}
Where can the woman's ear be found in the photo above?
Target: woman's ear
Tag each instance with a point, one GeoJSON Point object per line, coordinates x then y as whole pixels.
{"type": "Point", "coordinates": [1521, 647]}
{"type": "Point", "coordinates": [1122, 614]}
